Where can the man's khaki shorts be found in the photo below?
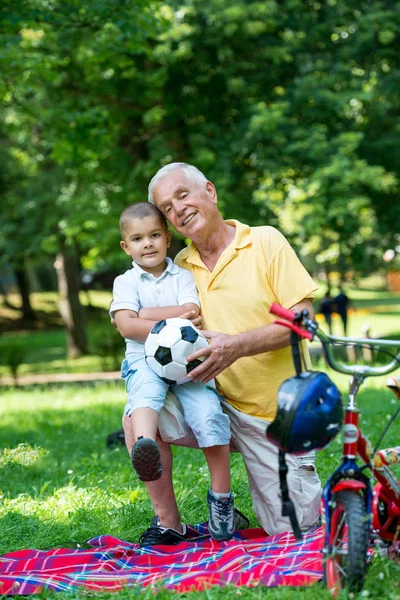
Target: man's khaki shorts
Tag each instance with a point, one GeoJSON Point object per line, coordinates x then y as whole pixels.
{"type": "Point", "coordinates": [261, 462]}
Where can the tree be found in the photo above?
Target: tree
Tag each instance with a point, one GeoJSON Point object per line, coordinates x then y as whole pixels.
{"type": "Point", "coordinates": [278, 103]}
{"type": "Point", "coordinates": [12, 243]}
{"type": "Point", "coordinates": [291, 108]}
{"type": "Point", "coordinates": [60, 109]}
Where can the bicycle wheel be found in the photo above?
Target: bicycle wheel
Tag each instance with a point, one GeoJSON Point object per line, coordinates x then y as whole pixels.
{"type": "Point", "coordinates": [345, 563]}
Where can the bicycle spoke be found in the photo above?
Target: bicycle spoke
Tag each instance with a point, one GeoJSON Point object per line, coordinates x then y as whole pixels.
{"type": "Point", "coordinates": [339, 569]}
{"type": "Point", "coordinates": [339, 530]}
{"type": "Point", "coordinates": [345, 562]}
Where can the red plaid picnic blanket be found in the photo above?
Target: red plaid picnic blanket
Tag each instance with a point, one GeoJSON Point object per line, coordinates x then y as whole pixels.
{"type": "Point", "coordinates": [251, 558]}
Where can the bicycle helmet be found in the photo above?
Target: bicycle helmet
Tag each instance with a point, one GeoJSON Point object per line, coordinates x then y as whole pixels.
{"type": "Point", "coordinates": [310, 413]}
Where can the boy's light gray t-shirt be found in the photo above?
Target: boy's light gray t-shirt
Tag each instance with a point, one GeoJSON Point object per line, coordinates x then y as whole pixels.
{"type": "Point", "coordinates": [137, 289]}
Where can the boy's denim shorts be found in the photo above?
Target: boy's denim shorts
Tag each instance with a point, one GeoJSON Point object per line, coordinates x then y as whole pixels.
{"type": "Point", "coordinates": [200, 404]}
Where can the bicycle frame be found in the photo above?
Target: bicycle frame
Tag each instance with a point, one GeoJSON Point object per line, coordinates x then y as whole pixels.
{"type": "Point", "coordinates": [349, 475]}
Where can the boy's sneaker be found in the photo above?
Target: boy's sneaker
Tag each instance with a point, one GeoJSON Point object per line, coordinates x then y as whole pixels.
{"type": "Point", "coordinates": [221, 523]}
{"type": "Point", "coordinates": [155, 535]}
{"type": "Point", "coordinates": [146, 459]}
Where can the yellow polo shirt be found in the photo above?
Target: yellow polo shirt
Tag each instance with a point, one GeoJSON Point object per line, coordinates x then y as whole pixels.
{"type": "Point", "coordinates": [258, 268]}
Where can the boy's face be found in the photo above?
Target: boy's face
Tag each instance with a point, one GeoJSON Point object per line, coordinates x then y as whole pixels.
{"type": "Point", "coordinates": [146, 241]}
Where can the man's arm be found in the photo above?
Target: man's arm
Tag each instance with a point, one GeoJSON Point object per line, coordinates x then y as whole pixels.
{"type": "Point", "coordinates": [224, 349]}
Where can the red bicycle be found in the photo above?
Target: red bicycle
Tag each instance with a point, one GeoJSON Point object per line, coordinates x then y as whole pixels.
{"type": "Point", "coordinates": [355, 515]}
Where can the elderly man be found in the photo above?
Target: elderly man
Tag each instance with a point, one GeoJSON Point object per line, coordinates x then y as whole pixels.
{"type": "Point", "coordinates": [239, 271]}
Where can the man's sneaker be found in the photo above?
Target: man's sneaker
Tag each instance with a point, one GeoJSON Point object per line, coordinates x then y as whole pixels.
{"type": "Point", "coordinates": [221, 523]}
{"type": "Point", "coordinates": [241, 522]}
{"type": "Point", "coordinates": [146, 459]}
{"type": "Point", "coordinates": [155, 535]}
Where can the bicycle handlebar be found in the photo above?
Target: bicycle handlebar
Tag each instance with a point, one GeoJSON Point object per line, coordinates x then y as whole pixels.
{"type": "Point", "coordinates": [285, 313]}
{"type": "Point", "coordinates": [307, 328]}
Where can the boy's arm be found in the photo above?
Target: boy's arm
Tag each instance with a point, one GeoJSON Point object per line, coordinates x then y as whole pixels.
{"type": "Point", "coordinates": [131, 327]}
{"type": "Point", "coordinates": [169, 312]}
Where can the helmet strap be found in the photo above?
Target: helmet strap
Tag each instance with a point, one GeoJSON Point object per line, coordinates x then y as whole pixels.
{"type": "Point", "coordinates": [296, 352]}
{"type": "Point", "coordinates": [287, 505]}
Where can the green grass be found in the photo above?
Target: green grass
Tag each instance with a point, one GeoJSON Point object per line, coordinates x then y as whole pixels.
{"type": "Point", "coordinates": [61, 486]}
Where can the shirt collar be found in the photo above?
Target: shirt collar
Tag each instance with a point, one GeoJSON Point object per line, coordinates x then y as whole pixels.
{"type": "Point", "coordinates": [242, 238]}
{"type": "Point", "coordinates": [171, 268]}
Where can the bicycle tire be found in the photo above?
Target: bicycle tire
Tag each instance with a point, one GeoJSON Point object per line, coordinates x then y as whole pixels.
{"type": "Point", "coordinates": [345, 564]}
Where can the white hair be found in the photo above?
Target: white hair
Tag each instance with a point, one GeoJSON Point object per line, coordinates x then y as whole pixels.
{"type": "Point", "coordinates": [192, 173]}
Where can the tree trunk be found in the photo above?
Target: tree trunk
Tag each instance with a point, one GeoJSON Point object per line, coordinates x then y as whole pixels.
{"type": "Point", "coordinates": [71, 309]}
{"type": "Point", "coordinates": [5, 300]}
{"type": "Point", "coordinates": [24, 289]}
{"type": "Point", "coordinates": [176, 246]}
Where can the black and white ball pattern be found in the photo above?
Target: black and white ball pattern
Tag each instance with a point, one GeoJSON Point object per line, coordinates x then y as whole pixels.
{"type": "Point", "coordinates": [167, 346]}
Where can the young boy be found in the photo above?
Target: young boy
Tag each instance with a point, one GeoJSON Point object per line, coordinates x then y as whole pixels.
{"type": "Point", "coordinates": [155, 288]}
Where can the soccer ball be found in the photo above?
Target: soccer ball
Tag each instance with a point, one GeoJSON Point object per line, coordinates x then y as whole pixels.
{"type": "Point", "coordinates": [167, 346]}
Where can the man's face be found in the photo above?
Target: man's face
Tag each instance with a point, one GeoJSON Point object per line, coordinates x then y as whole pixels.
{"type": "Point", "coordinates": [189, 207]}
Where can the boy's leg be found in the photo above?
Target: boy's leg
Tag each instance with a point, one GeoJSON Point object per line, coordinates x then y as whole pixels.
{"type": "Point", "coordinates": [218, 461]}
{"type": "Point", "coordinates": [145, 454]}
{"type": "Point", "coordinates": [221, 522]}
{"type": "Point", "coordinates": [144, 423]}
{"type": "Point", "coordinates": [175, 431]}
{"type": "Point", "coordinates": [203, 413]}
{"type": "Point", "coordinates": [146, 394]}
{"type": "Point", "coordinates": [161, 492]}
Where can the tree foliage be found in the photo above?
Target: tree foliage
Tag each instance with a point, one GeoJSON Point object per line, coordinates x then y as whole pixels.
{"type": "Point", "coordinates": [291, 108]}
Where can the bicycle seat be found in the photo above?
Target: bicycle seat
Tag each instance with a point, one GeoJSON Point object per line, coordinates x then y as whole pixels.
{"type": "Point", "coordinates": [393, 383]}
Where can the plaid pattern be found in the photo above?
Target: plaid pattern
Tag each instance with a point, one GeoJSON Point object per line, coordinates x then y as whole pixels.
{"type": "Point", "coordinates": [251, 558]}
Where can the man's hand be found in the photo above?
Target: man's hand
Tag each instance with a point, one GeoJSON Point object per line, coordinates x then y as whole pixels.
{"type": "Point", "coordinates": [225, 349]}
{"type": "Point", "coordinates": [220, 354]}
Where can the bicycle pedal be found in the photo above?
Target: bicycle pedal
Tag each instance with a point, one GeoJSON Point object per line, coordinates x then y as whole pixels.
{"type": "Point", "coordinates": [381, 547]}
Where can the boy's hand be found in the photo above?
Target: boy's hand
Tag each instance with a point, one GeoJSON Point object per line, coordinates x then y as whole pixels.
{"type": "Point", "coordinates": [112, 318]}
{"type": "Point", "coordinates": [191, 315]}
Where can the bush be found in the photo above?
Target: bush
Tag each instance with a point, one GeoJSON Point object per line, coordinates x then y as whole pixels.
{"type": "Point", "coordinates": [384, 355]}
{"type": "Point", "coordinates": [12, 355]}
{"type": "Point", "coordinates": [106, 342]}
